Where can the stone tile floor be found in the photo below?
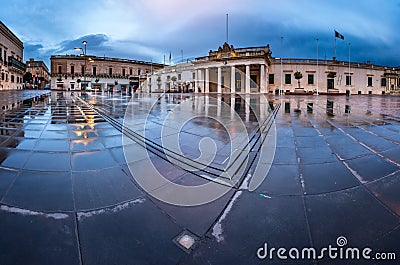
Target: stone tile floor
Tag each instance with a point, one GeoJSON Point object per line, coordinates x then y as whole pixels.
{"type": "Point", "coordinates": [68, 195]}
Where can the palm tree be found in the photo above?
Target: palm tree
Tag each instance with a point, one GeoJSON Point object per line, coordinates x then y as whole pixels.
{"type": "Point", "coordinates": [298, 76]}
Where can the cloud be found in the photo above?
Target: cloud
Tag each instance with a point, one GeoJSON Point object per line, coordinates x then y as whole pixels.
{"type": "Point", "coordinates": [150, 29]}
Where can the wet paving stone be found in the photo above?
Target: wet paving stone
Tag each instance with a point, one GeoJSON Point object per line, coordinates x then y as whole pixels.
{"type": "Point", "coordinates": [38, 239]}
{"type": "Point", "coordinates": [309, 155]}
{"type": "Point", "coordinates": [340, 145]}
{"type": "Point", "coordinates": [282, 180]}
{"type": "Point", "coordinates": [6, 179]}
{"type": "Point", "coordinates": [60, 160]}
{"type": "Point", "coordinates": [82, 161]}
{"type": "Point", "coordinates": [55, 162]}
{"type": "Point", "coordinates": [327, 177]}
{"type": "Point", "coordinates": [13, 158]}
{"type": "Point", "coordinates": [102, 188]}
{"type": "Point", "coordinates": [279, 222]}
{"type": "Point", "coordinates": [354, 214]}
{"type": "Point", "coordinates": [137, 234]}
{"type": "Point", "coordinates": [387, 190]}
{"type": "Point", "coordinates": [372, 167]}
{"type": "Point", "coordinates": [32, 190]}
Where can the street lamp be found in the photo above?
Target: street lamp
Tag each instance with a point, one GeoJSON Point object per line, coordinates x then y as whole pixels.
{"type": "Point", "coordinates": [84, 67]}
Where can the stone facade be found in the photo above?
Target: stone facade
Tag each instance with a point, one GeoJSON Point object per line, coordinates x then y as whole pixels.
{"type": "Point", "coordinates": [254, 70]}
{"type": "Point", "coordinates": [72, 72]}
{"type": "Point", "coordinates": [40, 74]}
{"type": "Point", "coordinates": [11, 66]}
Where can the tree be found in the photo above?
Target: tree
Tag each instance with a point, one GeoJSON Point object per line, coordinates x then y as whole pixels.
{"type": "Point", "coordinates": [331, 74]}
{"type": "Point", "coordinates": [298, 76]}
{"type": "Point", "coordinates": [27, 77]}
{"type": "Point", "coordinates": [173, 79]}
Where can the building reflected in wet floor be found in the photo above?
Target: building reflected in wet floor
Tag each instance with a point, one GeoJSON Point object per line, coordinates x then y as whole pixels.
{"type": "Point", "coordinates": [67, 184]}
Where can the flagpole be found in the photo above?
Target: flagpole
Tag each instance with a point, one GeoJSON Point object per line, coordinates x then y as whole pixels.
{"type": "Point", "coordinates": [335, 47]}
{"type": "Point", "coordinates": [317, 66]}
{"type": "Point", "coordinates": [280, 91]}
{"type": "Point", "coordinates": [227, 25]}
{"type": "Point", "coordinates": [349, 67]}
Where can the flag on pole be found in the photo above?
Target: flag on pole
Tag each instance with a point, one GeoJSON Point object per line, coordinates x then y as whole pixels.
{"type": "Point", "coordinates": [338, 35]}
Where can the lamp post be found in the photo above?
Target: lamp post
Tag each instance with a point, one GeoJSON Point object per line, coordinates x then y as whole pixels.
{"type": "Point", "coordinates": [84, 57]}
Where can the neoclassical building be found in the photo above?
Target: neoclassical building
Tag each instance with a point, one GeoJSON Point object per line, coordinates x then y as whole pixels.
{"type": "Point", "coordinates": [12, 67]}
{"type": "Point", "coordinates": [40, 74]}
{"type": "Point", "coordinates": [254, 70]}
{"type": "Point", "coordinates": [74, 72]}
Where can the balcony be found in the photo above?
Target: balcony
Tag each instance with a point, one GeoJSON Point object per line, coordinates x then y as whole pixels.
{"type": "Point", "coordinates": [12, 62]}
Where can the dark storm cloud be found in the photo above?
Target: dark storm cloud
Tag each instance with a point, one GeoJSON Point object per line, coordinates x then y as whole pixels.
{"type": "Point", "coordinates": [148, 30]}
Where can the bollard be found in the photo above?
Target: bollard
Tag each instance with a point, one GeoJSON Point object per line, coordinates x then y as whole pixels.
{"type": "Point", "coordinates": [310, 107]}
{"type": "Point", "coordinates": [287, 107]}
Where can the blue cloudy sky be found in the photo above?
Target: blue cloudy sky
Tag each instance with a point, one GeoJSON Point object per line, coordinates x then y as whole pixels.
{"type": "Point", "coordinates": [149, 29]}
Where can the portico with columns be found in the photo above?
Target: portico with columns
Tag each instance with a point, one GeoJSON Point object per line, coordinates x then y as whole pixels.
{"type": "Point", "coordinates": [233, 71]}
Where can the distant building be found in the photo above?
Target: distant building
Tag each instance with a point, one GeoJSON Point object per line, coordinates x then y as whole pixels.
{"type": "Point", "coordinates": [40, 74]}
{"type": "Point", "coordinates": [73, 72]}
{"type": "Point", "coordinates": [11, 66]}
{"type": "Point", "coordinates": [254, 70]}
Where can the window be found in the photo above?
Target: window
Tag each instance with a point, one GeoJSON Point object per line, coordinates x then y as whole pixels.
{"type": "Point", "coordinates": [383, 81]}
{"type": "Point", "coordinates": [253, 81]}
{"type": "Point", "coordinates": [110, 71]}
{"type": "Point", "coordinates": [130, 71]}
{"type": "Point", "coordinates": [369, 80]}
{"type": "Point", "coordinates": [179, 76]}
{"type": "Point", "coordinates": [94, 70]}
{"type": "Point", "coordinates": [2, 76]}
{"type": "Point", "coordinates": [194, 75]}
{"type": "Point", "coordinates": [12, 78]}
{"type": "Point", "coordinates": [139, 71]}
{"type": "Point", "coordinates": [72, 70]}
{"type": "Point", "coordinates": [271, 79]}
{"type": "Point", "coordinates": [222, 81]}
{"type": "Point", "coordinates": [59, 69]}
{"type": "Point", "coordinates": [123, 72]}
{"type": "Point", "coordinates": [348, 80]}
{"type": "Point", "coordinates": [5, 56]}
{"type": "Point", "coordinates": [1, 51]}
{"type": "Point", "coordinates": [83, 70]}
{"type": "Point", "coordinates": [288, 79]}
{"type": "Point", "coordinates": [311, 79]}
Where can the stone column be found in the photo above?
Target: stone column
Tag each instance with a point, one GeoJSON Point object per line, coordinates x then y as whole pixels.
{"type": "Point", "coordinates": [247, 87]}
{"type": "Point", "coordinates": [219, 90]}
{"type": "Point", "coordinates": [196, 82]}
{"type": "Point", "coordinates": [233, 85]}
{"type": "Point", "coordinates": [263, 87]}
{"type": "Point", "coordinates": [207, 80]}
{"type": "Point", "coordinates": [199, 81]}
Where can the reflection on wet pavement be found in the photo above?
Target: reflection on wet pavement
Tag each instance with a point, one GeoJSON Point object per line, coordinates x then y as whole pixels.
{"type": "Point", "coordinates": [336, 171]}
